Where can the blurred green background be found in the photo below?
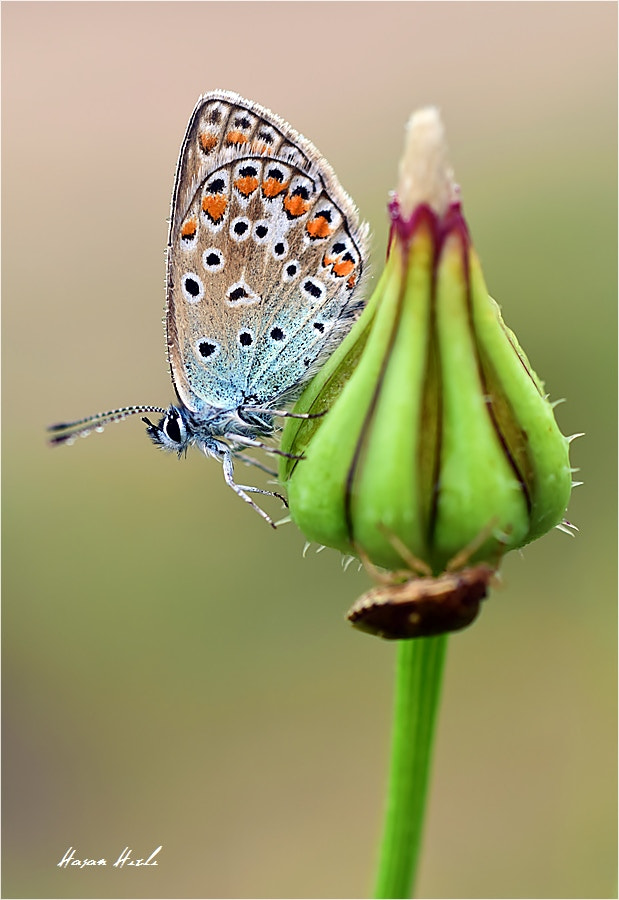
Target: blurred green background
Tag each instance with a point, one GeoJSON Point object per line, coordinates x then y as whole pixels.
{"type": "Point", "coordinates": [176, 673]}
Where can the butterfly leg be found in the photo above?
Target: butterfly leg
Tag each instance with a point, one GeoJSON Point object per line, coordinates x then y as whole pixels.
{"type": "Point", "coordinates": [243, 489]}
{"type": "Point", "coordinates": [251, 442]}
{"type": "Point", "coordinates": [250, 461]}
{"type": "Point", "coordinates": [284, 414]}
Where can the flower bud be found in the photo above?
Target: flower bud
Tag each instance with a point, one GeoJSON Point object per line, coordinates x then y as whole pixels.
{"type": "Point", "coordinates": [437, 435]}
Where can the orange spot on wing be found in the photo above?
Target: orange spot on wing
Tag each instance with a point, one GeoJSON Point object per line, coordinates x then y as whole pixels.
{"type": "Point", "coordinates": [296, 205]}
{"type": "Point", "coordinates": [318, 227]}
{"type": "Point", "coordinates": [246, 185]}
{"type": "Point", "coordinates": [207, 141]}
{"type": "Point", "coordinates": [259, 146]}
{"type": "Point", "coordinates": [214, 205]}
{"type": "Point", "coordinates": [351, 282]}
{"type": "Point", "coordinates": [236, 137]}
{"type": "Point", "coordinates": [271, 187]}
{"type": "Point", "coordinates": [189, 228]}
{"type": "Point", "coordinates": [344, 267]}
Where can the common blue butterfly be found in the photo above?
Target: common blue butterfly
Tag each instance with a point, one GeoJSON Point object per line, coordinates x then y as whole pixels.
{"type": "Point", "coordinates": [264, 259]}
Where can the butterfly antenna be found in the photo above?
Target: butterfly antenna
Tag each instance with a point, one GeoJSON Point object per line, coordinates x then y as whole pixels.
{"type": "Point", "coordinates": [67, 432]}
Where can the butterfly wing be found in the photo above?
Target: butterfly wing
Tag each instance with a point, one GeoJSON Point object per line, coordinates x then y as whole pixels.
{"type": "Point", "coordinates": [265, 255]}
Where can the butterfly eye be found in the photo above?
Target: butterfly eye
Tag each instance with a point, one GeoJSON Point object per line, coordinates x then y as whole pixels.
{"type": "Point", "coordinates": [172, 432]}
{"type": "Point", "coordinates": [172, 428]}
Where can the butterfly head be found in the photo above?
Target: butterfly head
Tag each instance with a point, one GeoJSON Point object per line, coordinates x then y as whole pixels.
{"type": "Point", "coordinates": [173, 431]}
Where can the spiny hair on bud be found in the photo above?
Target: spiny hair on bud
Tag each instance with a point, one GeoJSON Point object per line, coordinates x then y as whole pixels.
{"type": "Point", "coordinates": [567, 527]}
{"type": "Point", "coordinates": [346, 561]}
{"type": "Point", "coordinates": [308, 544]}
{"type": "Point", "coordinates": [285, 521]}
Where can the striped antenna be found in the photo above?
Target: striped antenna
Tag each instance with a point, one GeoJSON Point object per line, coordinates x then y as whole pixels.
{"type": "Point", "coordinates": [67, 432]}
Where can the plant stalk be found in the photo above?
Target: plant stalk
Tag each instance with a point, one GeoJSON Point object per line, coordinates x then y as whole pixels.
{"type": "Point", "coordinates": [420, 665]}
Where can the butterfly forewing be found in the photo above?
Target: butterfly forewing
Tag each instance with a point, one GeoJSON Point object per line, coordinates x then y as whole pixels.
{"type": "Point", "coordinates": [265, 253]}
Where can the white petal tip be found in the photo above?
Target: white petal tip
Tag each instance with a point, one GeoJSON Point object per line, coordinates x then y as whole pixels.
{"type": "Point", "coordinates": [425, 175]}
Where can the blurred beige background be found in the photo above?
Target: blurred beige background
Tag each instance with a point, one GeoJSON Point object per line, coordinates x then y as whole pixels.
{"type": "Point", "coordinates": [176, 673]}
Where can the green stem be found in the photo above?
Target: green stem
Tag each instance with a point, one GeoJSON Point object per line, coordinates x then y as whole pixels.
{"type": "Point", "coordinates": [418, 685]}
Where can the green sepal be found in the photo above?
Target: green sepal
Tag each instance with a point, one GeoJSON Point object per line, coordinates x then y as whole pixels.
{"type": "Point", "coordinates": [525, 417]}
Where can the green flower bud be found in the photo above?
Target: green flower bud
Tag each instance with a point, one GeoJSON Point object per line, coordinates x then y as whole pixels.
{"type": "Point", "coordinates": [438, 435]}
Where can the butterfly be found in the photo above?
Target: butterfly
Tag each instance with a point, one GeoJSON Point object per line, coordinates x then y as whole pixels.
{"type": "Point", "coordinates": [265, 257]}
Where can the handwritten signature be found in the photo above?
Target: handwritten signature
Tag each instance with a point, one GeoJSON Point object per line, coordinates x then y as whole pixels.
{"type": "Point", "coordinates": [125, 859]}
